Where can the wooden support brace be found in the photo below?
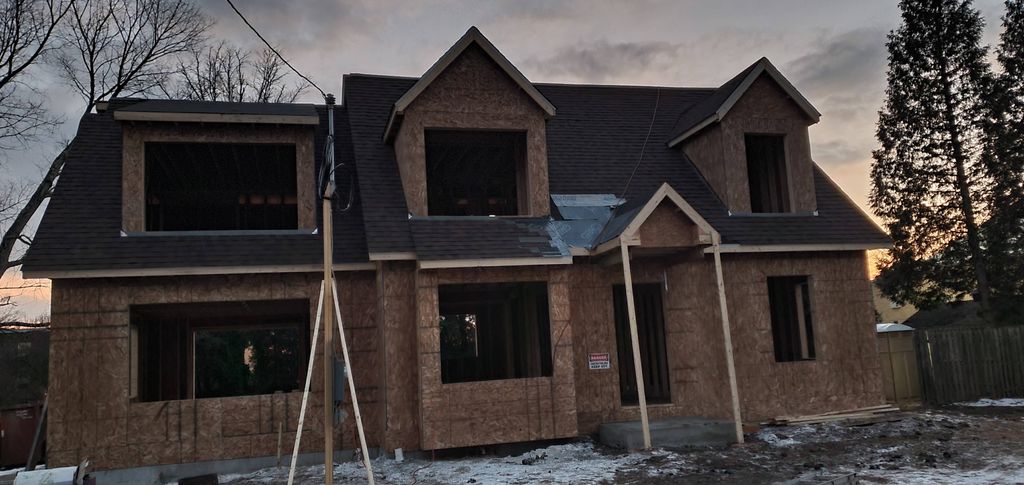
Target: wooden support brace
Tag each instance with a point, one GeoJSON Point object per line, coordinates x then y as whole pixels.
{"type": "Point", "coordinates": [635, 341]}
{"type": "Point", "coordinates": [727, 334]}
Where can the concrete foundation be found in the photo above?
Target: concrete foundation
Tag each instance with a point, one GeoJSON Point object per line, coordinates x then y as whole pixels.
{"type": "Point", "coordinates": [158, 475]}
{"type": "Point", "coordinates": [682, 432]}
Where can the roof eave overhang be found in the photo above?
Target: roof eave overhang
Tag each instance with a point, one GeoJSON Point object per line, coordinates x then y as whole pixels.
{"type": "Point", "coordinates": [152, 116]}
{"type": "Point", "coordinates": [798, 248]}
{"type": "Point", "coordinates": [492, 262]}
{"type": "Point", "coordinates": [191, 271]}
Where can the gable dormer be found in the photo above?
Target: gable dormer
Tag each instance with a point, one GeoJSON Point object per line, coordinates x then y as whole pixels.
{"type": "Point", "coordinates": [470, 136]}
{"type": "Point", "coordinates": [749, 138]}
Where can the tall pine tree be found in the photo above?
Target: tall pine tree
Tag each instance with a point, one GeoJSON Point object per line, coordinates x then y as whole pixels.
{"type": "Point", "coordinates": [929, 182]}
{"type": "Point", "coordinates": [1005, 157]}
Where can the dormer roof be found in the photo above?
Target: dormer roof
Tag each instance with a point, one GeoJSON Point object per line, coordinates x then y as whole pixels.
{"type": "Point", "coordinates": [713, 108]}
{"type": "Point", "coordinates": [472, 37]}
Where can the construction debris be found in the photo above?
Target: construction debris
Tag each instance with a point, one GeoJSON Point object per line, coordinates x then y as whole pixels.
{"type": "Point", "coordinates": [867, 415]}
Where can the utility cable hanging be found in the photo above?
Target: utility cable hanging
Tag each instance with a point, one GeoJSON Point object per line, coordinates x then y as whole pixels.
{"type": "Point", "coordinates": [329, 100]}
{"type": "Point", "coordinates": [272, 49]}
{"type": "Point", "coordinates": [643, 148]}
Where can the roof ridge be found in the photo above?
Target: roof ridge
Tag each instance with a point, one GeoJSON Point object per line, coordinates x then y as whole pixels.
{"type": "Point", "coordinates": [576, 85]}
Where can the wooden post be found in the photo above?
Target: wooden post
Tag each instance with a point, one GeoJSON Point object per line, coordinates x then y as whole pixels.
{"type": "Point", "coordinates": [305, 391]}
{"type": "Point", "coordinates": [635, 341]}
{"type": "Point", "coordinates": [328, 316]}
{"type": "Point", "coordinates": [280, 435]}
{"type": "Point", "coordinates": [727, 334]}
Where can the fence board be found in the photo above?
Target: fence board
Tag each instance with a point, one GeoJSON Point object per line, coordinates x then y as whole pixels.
{"type": "Point", "coordinates": [967, 363]}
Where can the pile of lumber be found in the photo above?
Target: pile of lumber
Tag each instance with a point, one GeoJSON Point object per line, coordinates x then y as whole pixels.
{"type": "Point", "coordinates": [869, 414]}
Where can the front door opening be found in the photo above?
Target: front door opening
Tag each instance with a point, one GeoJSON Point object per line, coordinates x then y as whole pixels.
{"type": "Point", "coordinates": [650, 323]}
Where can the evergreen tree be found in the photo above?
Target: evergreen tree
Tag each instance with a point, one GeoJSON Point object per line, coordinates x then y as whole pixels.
{"type": "Point", "coordinates": [1005, 158]}
{"type": "Point", "coordinates": [929, 182]}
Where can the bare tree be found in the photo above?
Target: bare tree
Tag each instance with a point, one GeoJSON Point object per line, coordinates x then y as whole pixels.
{"type": "Point", "coordinates": [27, 28]}
{"type": "Point", "coordinates": [223, 72]}
{"type": "Point", "coordinates": [111, 48]}
{"type": "Point", "coordinates": [119, 48]}
{"type": "Point", "coordinates": [271, 76]}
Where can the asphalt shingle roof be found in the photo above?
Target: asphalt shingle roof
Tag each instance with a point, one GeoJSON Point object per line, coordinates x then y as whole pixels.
{"type": "Point", "coordinates": [81, 228]}
{"type": "Point", "coordinates": [593, 147]}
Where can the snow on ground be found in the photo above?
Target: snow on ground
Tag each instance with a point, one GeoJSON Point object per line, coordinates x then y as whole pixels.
{"type": "Point", "coordinates": [570, 463]}
{"type": "Point", "coordinates": [1004, 402]}
{"type": "Point", "coordinates": [947, 476]}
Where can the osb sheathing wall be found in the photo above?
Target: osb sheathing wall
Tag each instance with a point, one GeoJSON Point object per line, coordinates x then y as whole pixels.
{"type": "Point", "coordinates": [668, 227]}
{"type": "Point", "coordinates": [693, 340]}
{"type": "Point", "coordinates": [135, 136]}
{"type": "Point", "coordinates": [473, 93]}
{"type": "Point", "coordinates": [396, 294]}
{"type": "Point", "coordinates": [91, 415]}
{"type": "Point", "coordinates": [502, 411]}
{"type": "Point", "coordinates": [846, 373]}
{"type": "Point", "coordinates": [720, 151]}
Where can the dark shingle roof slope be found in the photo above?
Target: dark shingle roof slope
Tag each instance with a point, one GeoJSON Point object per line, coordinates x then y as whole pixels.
{"type": "Point", "coordinates": [81, 228]}
{"type": "Point", "coordinates": [368, 101]}
{"type": "Point", "coordinates": [702, 110]}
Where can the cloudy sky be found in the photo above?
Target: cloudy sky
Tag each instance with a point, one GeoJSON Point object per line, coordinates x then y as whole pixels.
{"type": "Point", "coordinates": [832, 51]}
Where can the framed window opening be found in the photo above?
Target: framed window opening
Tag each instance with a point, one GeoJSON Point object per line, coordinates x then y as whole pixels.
{"type": "Point", "coordinates": [789, 299]}
{"type": "Point", "coordinates": [494, 331]}
{"type": "Point", "coordinates": [191, 186]}
{"type": "Point", "coordinates": [221, 349]}
{"type": "Point", "coordinates": [476, 172]}
{"type": "Point", "coordinates": [767, 173]}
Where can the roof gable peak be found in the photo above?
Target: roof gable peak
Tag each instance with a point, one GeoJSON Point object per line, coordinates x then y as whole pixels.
{"type": "Point", "coordinates": [718, 104]}
{"type": "Point", "coordinates": [473, 36]}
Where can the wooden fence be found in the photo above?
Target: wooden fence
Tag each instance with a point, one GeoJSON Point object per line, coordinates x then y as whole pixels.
{"type": "Point", "coordinates": [965, 364]}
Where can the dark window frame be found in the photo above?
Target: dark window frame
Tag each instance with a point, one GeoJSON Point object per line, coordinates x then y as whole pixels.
{"type": "Point", "coordinates": [220, 186]}
{"type": "Point", "coordinates": [512, 335]}
{"type": "Point", "coordinates": [768, 170]}
{"type": "Point", "coordinates": [791, 309]}
{"type": "Point", "coordinates": [172, 328]}
{"type": "Point", "coordinates": [476, 187]}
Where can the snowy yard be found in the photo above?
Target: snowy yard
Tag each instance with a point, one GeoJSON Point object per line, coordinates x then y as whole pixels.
{"type": "Point", "coordinates": [970, 443]}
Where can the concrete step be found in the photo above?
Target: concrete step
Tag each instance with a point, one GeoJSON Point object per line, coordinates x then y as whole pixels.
{"type": "Point", "coordinates": [677, 432]}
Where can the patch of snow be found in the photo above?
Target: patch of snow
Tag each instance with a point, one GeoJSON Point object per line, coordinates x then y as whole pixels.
{"type": "Point", "coordinates": [574, 462]}
{"type": "Point", "coordinates": [1004, 402]}
{"type": "Point", "coordinates": [945, 476]}
{"type": "Point", "coordinates": [776, 439]}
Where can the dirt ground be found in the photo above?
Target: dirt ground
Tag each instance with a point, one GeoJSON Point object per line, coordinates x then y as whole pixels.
{"type": "Point", "coordinates": [950, 445]}
{"type": "Point", "coordinates": [954, 445]}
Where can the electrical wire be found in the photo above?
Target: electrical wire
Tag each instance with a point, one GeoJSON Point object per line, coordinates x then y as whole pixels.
{"type": "Point", "coordinates": [272, 49]}
{"type": "Point", "coordinates": [329, 142]}
{"type": "Point", "coordinates": [325, 175]}
{"type": "Point", "coordinates": [643, 148]}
